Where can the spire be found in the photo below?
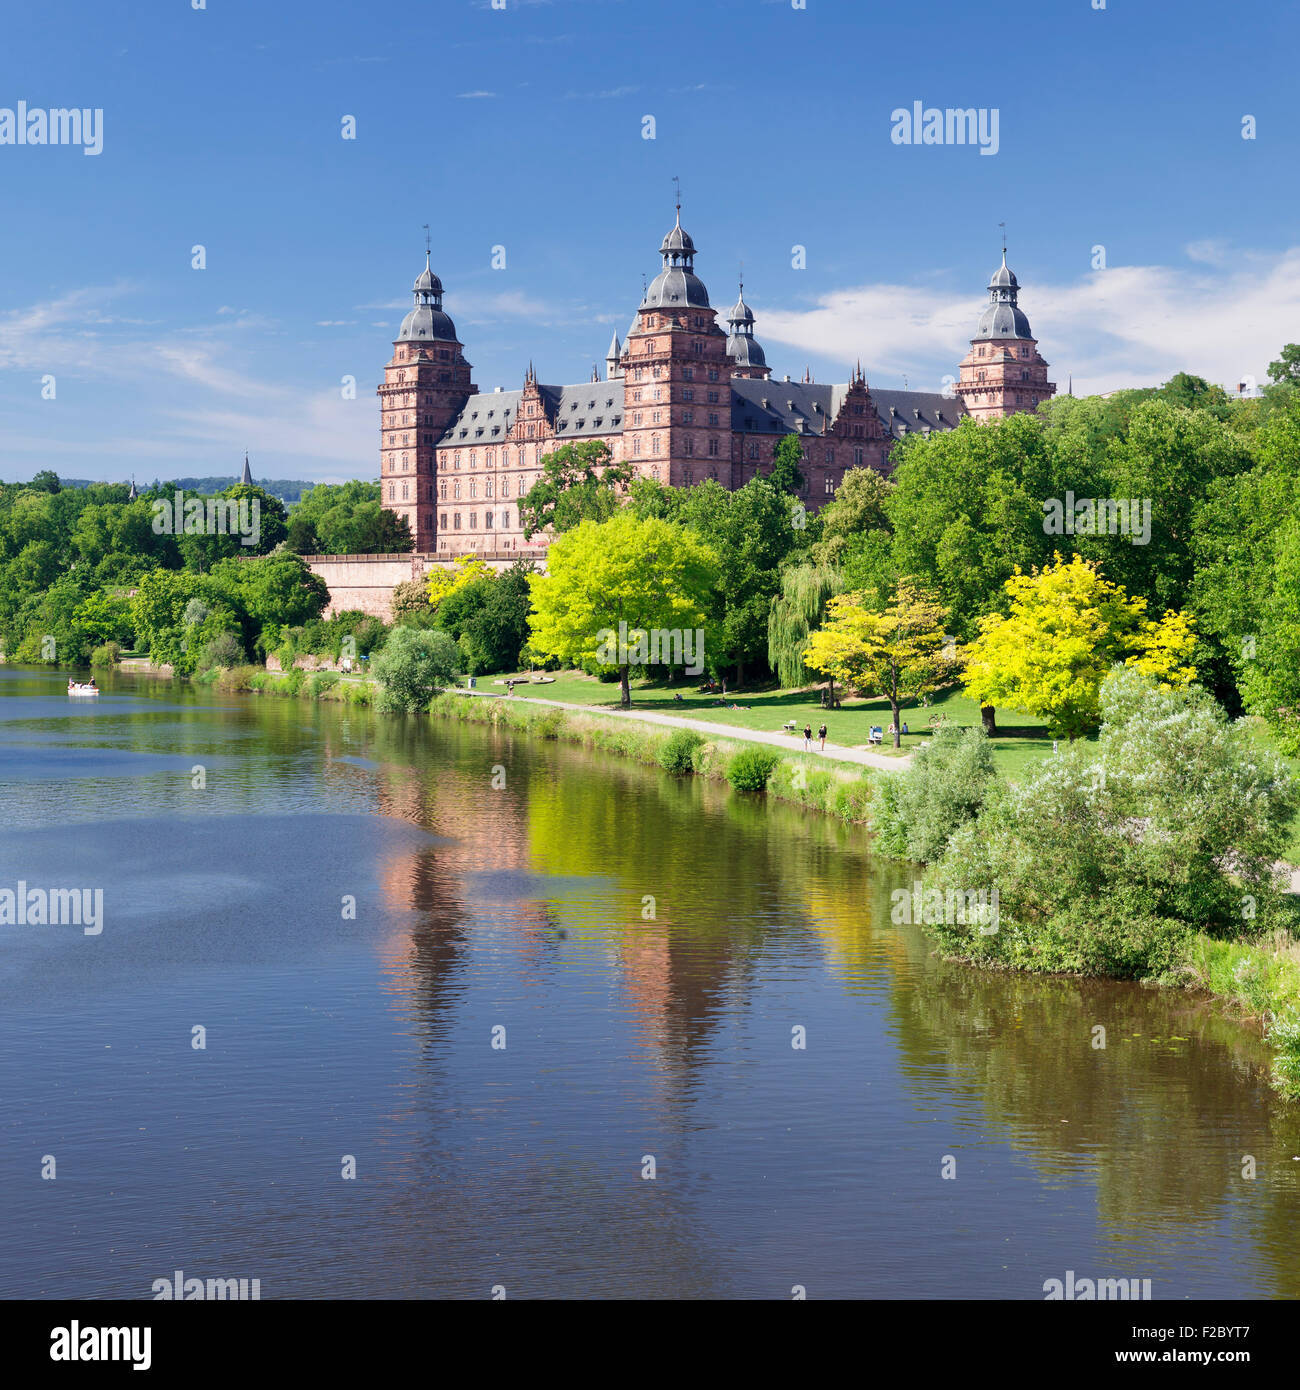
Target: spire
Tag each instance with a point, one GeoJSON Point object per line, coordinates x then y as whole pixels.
{"type": "Point", "coordinates": [247, 479]}
{"type": "Point", "coordinates": [132, 494]}
{"type": "Point", "coordinates": [612, 356]}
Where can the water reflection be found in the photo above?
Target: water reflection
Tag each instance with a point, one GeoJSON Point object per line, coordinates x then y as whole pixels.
{"type": "Point", "coordinates": [643, 952]}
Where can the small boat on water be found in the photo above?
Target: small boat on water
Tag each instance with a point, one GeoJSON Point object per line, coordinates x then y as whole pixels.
{"type": "Point", "coordinates": [82, 688]}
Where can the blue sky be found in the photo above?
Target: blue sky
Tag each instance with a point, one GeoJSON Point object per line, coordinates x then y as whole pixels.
{"type": "Point", "coordinates": [522, 127]}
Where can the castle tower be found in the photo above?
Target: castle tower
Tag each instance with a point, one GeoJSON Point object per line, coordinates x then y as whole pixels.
{"type": "Point", "coordinates": [425, 385]}
{"type": "Point", "coordinates": [677, 376]}
{"type": "Point", "coordinates": [748, 359]}
{"type": "Point", "coordinates": [612, 369]}
{"type": "Point", "coordinates": [1003, 372]}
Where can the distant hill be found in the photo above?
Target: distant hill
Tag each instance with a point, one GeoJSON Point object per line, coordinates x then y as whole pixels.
{"type": "Point", "coordinates": [288, 490]}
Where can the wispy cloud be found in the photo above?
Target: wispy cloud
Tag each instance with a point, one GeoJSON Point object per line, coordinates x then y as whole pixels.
{"type": "Point", "coordinates": [473, 96]}
{"type": "Point", "coordinates": [604, 95]}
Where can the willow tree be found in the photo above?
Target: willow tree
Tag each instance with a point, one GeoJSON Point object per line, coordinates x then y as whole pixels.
{"type": "Point", "coordinates": [795, 613]}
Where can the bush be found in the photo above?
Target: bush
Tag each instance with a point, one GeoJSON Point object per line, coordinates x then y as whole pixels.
{"type": "Point", "coordinates": [106, 654]}
{"type": "Point", "coordinates": [321, 681]}
{"type": "Point", "coordinates": [1284, 1034]}
{"type": "Point", "coordinates": [412, 667]}
{"type": "Point", "coordinates": [749, 770]}
{"type": "Point", "coordinates": [1108, 859]}
{"type": "Point", "coordinates": [223, 650]}
{"type": "Point", "coordinates": [239, 678]}
{"type": "Point", "coordinates": [916, 811]}
{"type": "Point", "coordinates": [677, 752]}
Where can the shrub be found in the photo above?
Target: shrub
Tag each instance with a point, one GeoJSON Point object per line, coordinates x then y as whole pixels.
{"type": "Point", "coordinates": [548, 724]}
{"type": "Point", "coordinates": [1284, 1034]}
{"type": "Point", "coordinates": [321, 681]}
{"type": "Point", "coordinates": [412, 667]}
{"type": "Point", "coordinates": [106, 654]}
{"type": "Point", "coordinates": [916, 811]}
{"type": "Point", "coordinates": [224, 649]}
{"type": "Point", "coordinates": [677, 752]}
{"type": "Point", "coordinates": [749, 770]}
{"type": "Point", "coordinates": [239, 678]}
{"type": "Point", "coordinates": [1107, 860]}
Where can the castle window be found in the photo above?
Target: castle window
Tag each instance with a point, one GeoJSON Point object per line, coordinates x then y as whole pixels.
{"type": "Point", "coordinates": [455, 521]}
{"type": "Point", "coordinates": [713, 374]}
{"type": "Point", "coordinates": [519, 458]}
{"type": "Point", "coordinates": [487, 521]}
{"type": "Point", "coordinates": [487, 487]}
{"type": "Point", "coordinates": [857, 458]}
{"type": "Point", "coordinates": [473, 458]}
{"type": "Point", "coordinates": [688, 394]}
{"type": "Point", "coordinates": [505, 485]}
{"type": "Point", "coordinates": [654, 443]}
{"type": "Point", "coordinates": [392, 491]}
{"type": "Point", "coordinates": [649, 344]}
{"type": "Point", "coordinates": [404, 493]}
{"type": "Point", "coordinates": [713, 446]}
{"type": "Point", "coordinates": [473, 521]}
{"type": "Point", "coordinates": [688, 417]}
{"type": "Point", "coordinates": [442, 520]}
{"type": "Point", "coordinates": [713, 417]}
{"type": "Point", "coordinates": [753, 448]}
{"type": "Point", "coordinates": [697, 346]}
{"type": "Point", "coordinates": [473, 487]}
{"type": "Point", "coordinates": [456, 491]}
{"type": "Point", "coordinates": [654, 417]}
{"type": "Point", "coordinates": [830, 485]}
{"type": "Point", "coordinates": [830, 455]}
{"type": "Point", "coordinates": [442, 489]}
{"type": "Point", "coordinates": [689, 445]}
{"type": "Point", "coordinates": [688, 373]}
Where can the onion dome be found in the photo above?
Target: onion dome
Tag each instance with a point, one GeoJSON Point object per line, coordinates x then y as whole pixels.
{"type": "Point", "coordinates": [1003, 318]}
{"type": "Point", "coordinates": [741, 346]}
{"type": "Point", "coordinates": [677, 286]}
{"type": "Point", "coordinates": [427, 321]}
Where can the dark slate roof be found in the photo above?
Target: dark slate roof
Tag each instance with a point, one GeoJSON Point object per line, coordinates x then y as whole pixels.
{"type": "Point", "coordinates": [593, 409]}
{"type": "Point", "coordinates": [744, 351]}
{"type": "Point", "coordinates": [806, 407]}
{"type": "Point", "coordinates": [917, 410]}
{"type": "Point", "coordinates": [675, 287]}
{"type": "Point", "coordinates": [426, 322]}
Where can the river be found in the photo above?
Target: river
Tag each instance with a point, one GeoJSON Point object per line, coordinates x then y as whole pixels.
{"type": "Point", "coordinates": [380, 1007]}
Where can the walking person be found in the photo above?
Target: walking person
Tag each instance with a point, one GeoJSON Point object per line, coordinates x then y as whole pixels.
{"type": "Point", "coordinates": [821, 734]}
{"type": "Point", "coordinates": [807, 738]}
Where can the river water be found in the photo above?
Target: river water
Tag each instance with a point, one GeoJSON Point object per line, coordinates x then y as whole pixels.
{"type": "Point", "coordinates": [502, 982]}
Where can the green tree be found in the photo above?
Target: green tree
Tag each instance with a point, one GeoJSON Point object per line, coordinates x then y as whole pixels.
{"type": "Point", "coordinates": [1286, 367]}
{"type": "Point", "coordinates": [578, 482]}
{"type": "Point", "coordinates": [786, 475]}
{"type": "Point", "coordinates": [795, 613]}
{"type": "Point", "coordinates": [642, 574]}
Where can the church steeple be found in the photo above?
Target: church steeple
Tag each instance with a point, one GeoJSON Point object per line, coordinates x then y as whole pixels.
{"type": "Point", "coordinates": [247, 479]}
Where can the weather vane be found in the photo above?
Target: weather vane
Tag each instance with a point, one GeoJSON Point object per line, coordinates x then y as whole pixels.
{"type": "Point", "coordinates": [677, 185]}
{"type": "Point", "coordinates": [1003, 226]}
{"type": "Point", "coordinates": [428, 242]}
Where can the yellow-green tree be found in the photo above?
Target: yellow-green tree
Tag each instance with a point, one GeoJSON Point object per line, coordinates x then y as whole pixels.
{"type": "Point", "coordinates": [1065, 628]}
{"type": "Point", "coordinates": [465, 570]}
{"type": "Point", "coordinates": [610, 583]}
{"type": "Point", "coordinates": [901, 651]}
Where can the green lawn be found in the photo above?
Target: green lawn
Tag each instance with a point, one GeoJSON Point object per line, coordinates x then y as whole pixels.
{"type": "Point", "coordinates": [1021, 741]}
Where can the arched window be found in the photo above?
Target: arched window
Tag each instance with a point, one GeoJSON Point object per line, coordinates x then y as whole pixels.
{"type": "Point", "coordinates": [473, 487]}
{"type": "Point", "coordinates": [456, 491]}
{"type": "Point", "coordinates": [442, 489]}
{"type": "Point", "coordinates": [403, 492]}
{"type": "Point", "coordinates": [392, 491]}
{"type": "Point", "coordinates": [487, 487]}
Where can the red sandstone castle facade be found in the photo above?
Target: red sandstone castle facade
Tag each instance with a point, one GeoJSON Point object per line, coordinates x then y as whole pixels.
{"type": "Point", "coordinates": [682, 401]}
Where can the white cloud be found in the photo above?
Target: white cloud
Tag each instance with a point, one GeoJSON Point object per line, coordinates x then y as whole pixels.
{"type": "Point", "coordinates": [1125, 326]}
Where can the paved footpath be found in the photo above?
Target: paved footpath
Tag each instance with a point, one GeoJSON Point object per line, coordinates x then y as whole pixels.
{"type": "Point", "coordinates": [790, 743]}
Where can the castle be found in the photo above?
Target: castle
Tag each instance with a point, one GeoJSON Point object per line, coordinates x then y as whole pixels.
{"type": "Point", "coordinates": [681, 401]}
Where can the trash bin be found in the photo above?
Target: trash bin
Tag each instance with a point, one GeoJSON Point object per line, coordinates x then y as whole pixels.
{"type": "Point", "coordinates": [473, 682]}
